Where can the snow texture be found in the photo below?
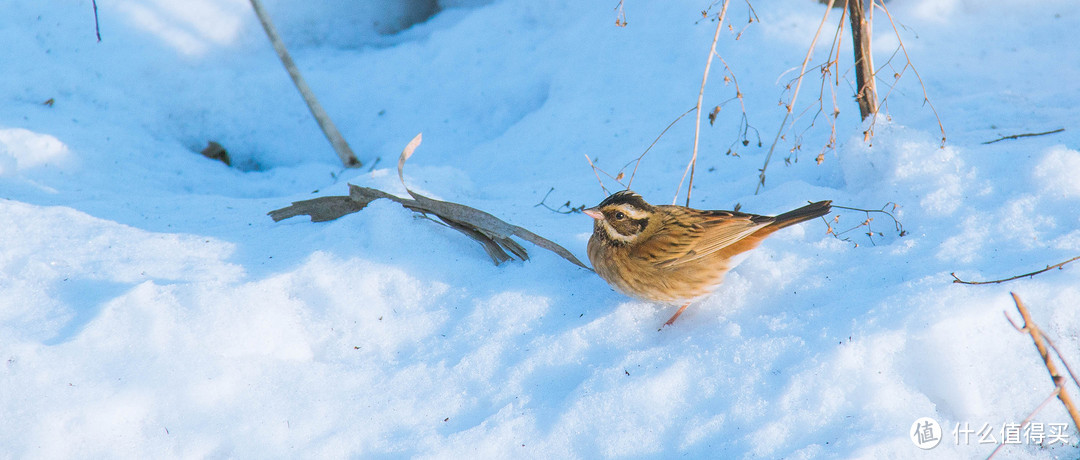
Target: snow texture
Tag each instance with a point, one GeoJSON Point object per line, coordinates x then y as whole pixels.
{"type": "Point", "coordinates": [151, 309]}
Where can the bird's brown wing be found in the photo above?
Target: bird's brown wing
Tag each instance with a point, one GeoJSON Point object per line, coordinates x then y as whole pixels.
{"type": "Point", "coordinates": [691, 235]}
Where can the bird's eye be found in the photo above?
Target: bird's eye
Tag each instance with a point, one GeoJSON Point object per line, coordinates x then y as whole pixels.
{"type": "Point", "coordinates": [619, 215]}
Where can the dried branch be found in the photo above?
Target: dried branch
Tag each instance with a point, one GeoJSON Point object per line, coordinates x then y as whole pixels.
{"type": "Point", "coordinates": [491, 232]}
{"type": "Point", "coordinates": [569, 208]}
{"type": "Point", "coordinates": [861, 31]}
{"type": "Point", "coordinates": [97, 26]}
{"type": "Point", "coordinates": [907, 65]}
{"type": "Point", "coordinates": [637, 162]}
{"type": "Point", "coordinates": [866, 223]}
{"type": "Point", "coordinates": [620, 17]}
{"type": "Point", "coordinates": [597, 171]}
{"type": "Point", "coordinates": [701, 95]}
{"type": "Point", "coordinates": [1037, 337]}
{"type": "Point", "coordinates": [794, 96]}
{"type": "Point", "coordinates": [1027, 420]}
{"type": "Point", "coordinates": [1017, 136]}
{"type": "Point", "coordinates": [957, 279]}
{"type": "Point", "coordinates": [348, 158]}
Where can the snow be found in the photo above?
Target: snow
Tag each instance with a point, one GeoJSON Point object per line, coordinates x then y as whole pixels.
{"type": "Point", "coordinates": [151, 309]}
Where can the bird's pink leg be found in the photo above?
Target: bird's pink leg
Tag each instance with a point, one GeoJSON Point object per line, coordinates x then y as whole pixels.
{"type": "Point", "coordinates": [676, 315]}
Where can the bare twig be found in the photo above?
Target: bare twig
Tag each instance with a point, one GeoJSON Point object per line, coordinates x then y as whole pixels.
{"type": "Point", "coordinates": [597, 171]}
{"type": "Point", "coordinates": [1027, 420]}
{"type": "Point", "coordinates": [701, 95]}
{"type": "Point", "coordinates": [348, 158]}
{"type": "Point", "coordinates": [866, 223]}
{"type": "Point", "coordinates": [1017, 136]}
{"type": "Point", "coordinates": [620, 17]}
{"type": "Point", "coordinates": [926, 98]}
{"type": "Point", "coordinates": [97, 26]}
{"type": "Point", "coordinates": [861, 31]}
{"type": "Point", "coordinates": [637, 162]}
{"type": "Point", "coordinates": [1037, 337]}
{"type": "Point", "coordinates": [794, 96]}
{"type": "Point", "coordinates": [569, 208]}
{"type": "Point", "coordinates": [957, 279]}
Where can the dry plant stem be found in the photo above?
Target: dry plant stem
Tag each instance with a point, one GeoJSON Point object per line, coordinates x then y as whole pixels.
{"type": "Point", "coordinates": [861, 32]}
{"type": "Point", "coordinates": [637, 162]}
{"type": "Point", "coordinates": [596, 171]}
{"type": "Point", "coordinates": [1027, 420]}
{"type": "Point", "coordinates": [700, 97]}
{"type": "Point", "coordinates": [348, 158]}
{"type": "Point", "coordinates": [97, 26]}
{"type": "Point", "coordinates": [1017, 136]}
{"type": "Point", "coordinates": [926, 98]}
{"type": "Point", "coordinates": [1059, 381]}
{"type": "Point", "coordinates": [794, 97]}
{"type": "Point", "coordinates": [957, 279]}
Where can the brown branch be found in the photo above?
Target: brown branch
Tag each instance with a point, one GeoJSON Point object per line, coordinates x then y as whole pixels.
{"type": "Point", "coordinates": [637, 162]}
{"type": "Point", "coordinates": [701, 95]}
{"type": "Point", "coordinates": [866, 223]}
{"type": "Point", "coordinates": [620, 17]}
{"type": "Point", "coordinates": [957, 279]}
{"type": "Point", "coordinates": [794, 96]}
{"type": "Point", "coordinates": [926, 98]}
{"type": "Point", "coordinates": [597, 171]}
{"type": "Point", "coordinates": [866, 93]}
{"type": "Point", "coordinates": [348, 158]}
{"type": "Point", "coordinates": [1017, 136]}
{"type": "Point", "coordinates": [1037, 337]}
{"type": "Point", "coordinates": [1027, 420]}
{"type": "Point", "coordinates": [97, 26]}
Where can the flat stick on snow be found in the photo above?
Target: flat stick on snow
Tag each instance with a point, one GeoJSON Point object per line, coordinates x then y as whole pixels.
{"type": "Point", "coordinates": [1017, 136]}
{"type": "Point", "coordinates": [957, 279]}
{"type": "Point", "coordinates": [1040, 343]}
{"type": "Point", "coordinates": [348, 158]}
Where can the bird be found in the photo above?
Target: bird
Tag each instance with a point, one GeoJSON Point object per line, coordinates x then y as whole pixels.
{"type": "Point", "coordinates": [675, 254]}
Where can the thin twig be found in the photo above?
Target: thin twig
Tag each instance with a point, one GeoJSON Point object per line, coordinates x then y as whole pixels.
{"type": "Point", "coordinates": [569, 209]}
{"type": "Point", "coordinates": [700, 97]}
{"type": "Point", "coordinates": [926, 98]}
{"type": "Point", "coordinates": [869, 232]}
{"type": "Point", "coordinates": [1017, 136]}
{"type": "Point", "coordinates": [596, 171]}
{"type": "Point", "coordinates": [957, 279]}
{"type": "Point", "coordinates": [794, 97]}
{"type": "Point", "coordinates": [348, 158]}
{"type": "Point", "coordinates": [1027, 420]}
{"type": "Point", "coordinates": [620, 17]}
{"type": "Point", "coordinates": [1062, 358]}
{"type": "Point", "coordinates": [1059, 381]}
{"type": "Point", "coordinates": [97, 26]}
{"type": "Point", "coordinates": [637, 162]}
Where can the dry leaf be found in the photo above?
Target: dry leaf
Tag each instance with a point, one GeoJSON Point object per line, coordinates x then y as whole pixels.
{"type": "Point", "coordinates": [491, 232]}
{"type": "Point", "coordinates": [215, 151]}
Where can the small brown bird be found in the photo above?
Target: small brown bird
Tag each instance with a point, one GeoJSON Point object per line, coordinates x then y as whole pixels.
{"type": "Point", "coordinates": [674, 254]}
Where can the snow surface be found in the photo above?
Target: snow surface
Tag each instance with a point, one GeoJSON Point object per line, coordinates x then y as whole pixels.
{"type": "Point", "coordinates": [151, 309]}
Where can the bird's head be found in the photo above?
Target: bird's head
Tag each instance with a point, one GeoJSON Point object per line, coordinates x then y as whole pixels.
{"type": "Point", "coordinates": [622, 216]}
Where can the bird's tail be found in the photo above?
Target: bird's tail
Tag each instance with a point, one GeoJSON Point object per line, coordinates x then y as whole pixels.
{"type": "Point", "coordinates": [802, 214]}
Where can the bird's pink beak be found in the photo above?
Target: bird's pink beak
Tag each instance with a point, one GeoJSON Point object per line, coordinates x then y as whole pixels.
{"type": "Point", "coordinates": [594, 213]}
